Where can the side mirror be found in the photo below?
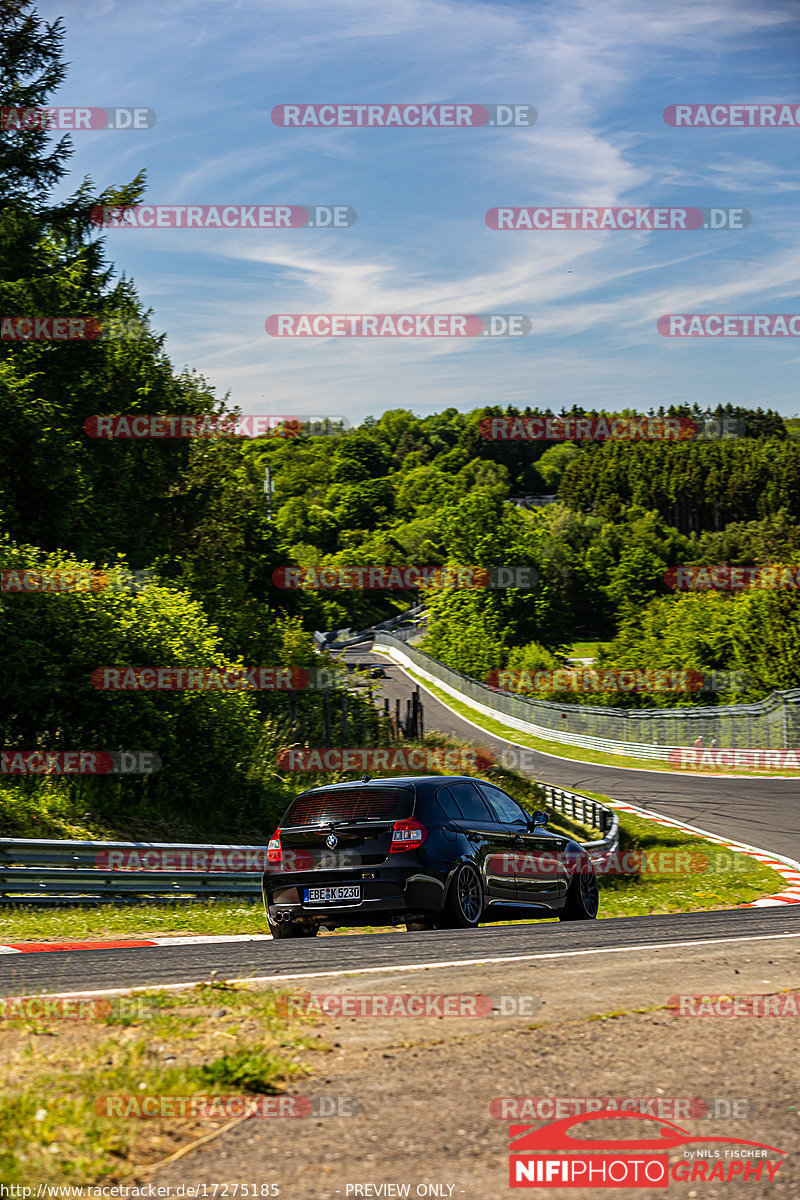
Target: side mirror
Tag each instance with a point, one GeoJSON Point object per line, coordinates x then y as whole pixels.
{"type": "Point", "coordinates": [539, 818]}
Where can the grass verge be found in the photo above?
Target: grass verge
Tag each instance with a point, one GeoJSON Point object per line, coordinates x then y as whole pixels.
{"type": "Point", "coordinates": [681, 873]}
{"type": "Point", "coordinates": [212, 1040]}
{"type": "Point", "coordinates": [562, 749]}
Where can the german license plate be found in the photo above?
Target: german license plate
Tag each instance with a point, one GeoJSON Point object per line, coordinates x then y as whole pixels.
{"type": "Point", "coordinates": [317, 895]}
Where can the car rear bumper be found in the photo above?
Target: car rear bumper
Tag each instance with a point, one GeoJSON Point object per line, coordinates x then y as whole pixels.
{"type": "Point", "coordinates": [389, 894]}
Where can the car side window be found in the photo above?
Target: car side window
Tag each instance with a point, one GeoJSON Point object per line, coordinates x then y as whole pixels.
{"type": "Point", "coordinates": [470, 801]}
{"type": "Point", "coordinates": [448, 805]}
{"type": "Point", "coordinates": [506, 810]}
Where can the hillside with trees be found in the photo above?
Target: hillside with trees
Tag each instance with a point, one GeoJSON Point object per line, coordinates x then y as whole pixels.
{"type": "Point", "coordinates": [400, 489]}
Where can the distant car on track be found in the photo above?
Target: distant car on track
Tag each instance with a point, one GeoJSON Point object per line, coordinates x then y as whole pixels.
{"type": "Point", "coordinates": [427, 851]}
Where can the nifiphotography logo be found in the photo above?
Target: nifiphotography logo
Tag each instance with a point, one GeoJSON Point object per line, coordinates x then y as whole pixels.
{"type": "Point", "coordinates": [551, 1157]}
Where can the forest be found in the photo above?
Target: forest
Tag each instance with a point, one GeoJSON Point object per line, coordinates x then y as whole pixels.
{"type": "Point", "coordinates": [188, 519]}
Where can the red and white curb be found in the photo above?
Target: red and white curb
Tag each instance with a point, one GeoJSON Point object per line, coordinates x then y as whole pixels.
{"type": "Point", "coordinates": [132, 943]}
{"type": "Point", "coordinates": [786, 867]}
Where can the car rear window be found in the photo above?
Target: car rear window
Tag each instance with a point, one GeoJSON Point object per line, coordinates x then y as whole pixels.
{"type": "Point", "coordinates": [349, 804]}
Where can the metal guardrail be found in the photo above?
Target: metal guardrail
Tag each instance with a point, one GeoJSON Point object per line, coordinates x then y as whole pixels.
{"type": "Point", "coordinates": [342, 639]}
{"type": "Point", "coordinates": [40, 872]}
{"type": "Point", "coordinates": [588, 812]}
{"type": "Point", "coordinates": [653, 733]}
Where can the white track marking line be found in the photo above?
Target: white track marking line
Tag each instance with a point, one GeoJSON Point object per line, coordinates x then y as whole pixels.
{"type": "Point", "coordinates": [787, 868]}
{"type": "Point", "coordinates": [581, 762]}
{"type": "Point", "coordinates": [626, 806]}
{"type": "Point", "coordinates": [459, 962]}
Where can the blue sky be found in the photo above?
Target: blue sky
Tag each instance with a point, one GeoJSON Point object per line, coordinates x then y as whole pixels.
{"type": "Point", "coordinates": [599, 73]}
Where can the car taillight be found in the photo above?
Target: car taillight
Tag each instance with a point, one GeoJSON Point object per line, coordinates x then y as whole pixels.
{"type": "Point", "coordinates": [407, 835]}
{"type": "Point", "coordinates": [275, 849]}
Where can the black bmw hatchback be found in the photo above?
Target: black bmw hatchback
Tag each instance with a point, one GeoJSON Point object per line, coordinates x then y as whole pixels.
{"type": "Point", "coordinates": [427, 851]}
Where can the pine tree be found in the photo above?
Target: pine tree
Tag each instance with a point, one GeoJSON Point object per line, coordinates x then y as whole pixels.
{"type": "Point", "coordinates": [58, 488]}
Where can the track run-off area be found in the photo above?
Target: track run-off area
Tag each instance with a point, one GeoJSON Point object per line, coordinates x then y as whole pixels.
{"type": "Point", "coordinates": [763, 812]}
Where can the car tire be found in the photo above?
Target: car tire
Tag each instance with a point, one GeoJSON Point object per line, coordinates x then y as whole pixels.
{"type": "Point", "coordinates": [583, 898]}
{"type": "Point", "coordinates": [291, 929]}
{"type": "Point", "coordinates": [463, 907]}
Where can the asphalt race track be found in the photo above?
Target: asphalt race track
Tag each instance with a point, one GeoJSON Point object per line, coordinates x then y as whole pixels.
{"type": "Point", "coordinates": [760, 812]}
{"type": "Point", "coordinates": [96, 971]}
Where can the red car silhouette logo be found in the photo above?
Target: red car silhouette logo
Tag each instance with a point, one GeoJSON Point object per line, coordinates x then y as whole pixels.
{"type": "Point", "coordinates": [554, 1136]}
{"type": "Point", "coordinates": [537, 1157]}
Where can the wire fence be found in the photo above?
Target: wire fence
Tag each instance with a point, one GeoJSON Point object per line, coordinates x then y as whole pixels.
{"type": "Point", "coordinates": [772, 723]}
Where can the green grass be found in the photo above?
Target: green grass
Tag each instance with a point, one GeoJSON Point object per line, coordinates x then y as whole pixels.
{"type": "Point", "coordinates": [563, 749]}
{"type": "Point", "coordinates": [743, 879]}
{"type": "Point", "coordinates": [209, 1040]}
{"type": "Point", "coordinates": [586, 649]}
{"type": "Point", "coordinates": [131, 921]}
{"type": "Point", "coordinates": [688, 884]}
{"type": "Point", "coordinates": [63, 807]}
{"type": "Point", "coordinates": [223, 916]}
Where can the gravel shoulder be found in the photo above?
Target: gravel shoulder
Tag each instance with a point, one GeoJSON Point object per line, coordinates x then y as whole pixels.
{"type": "Point", "coordinates": [424, 1085]}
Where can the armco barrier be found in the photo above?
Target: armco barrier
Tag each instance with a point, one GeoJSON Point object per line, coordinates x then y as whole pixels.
{"type": "Point", "coordinates": [333, 639]}
{"type": "Point", "coordinates": [773, 723]}
{"type": "Point", "coordinates": [34, 871]}
{"type": "Point", "coordinates": [587, 812]}
{"type": "Point", "coordinates": [41, 872]}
